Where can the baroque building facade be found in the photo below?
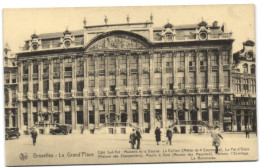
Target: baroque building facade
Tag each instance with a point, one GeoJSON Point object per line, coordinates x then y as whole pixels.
{"type": "Point", "coordinates": [244, 86]}
{"type": "Point", "coordinates": [10, 87]}
{"type": "Point", "coordinates": [113, 77]}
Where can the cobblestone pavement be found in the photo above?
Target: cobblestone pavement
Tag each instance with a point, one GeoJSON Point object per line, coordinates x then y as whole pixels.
{"type": "Point", "coordinates": [98, 148]}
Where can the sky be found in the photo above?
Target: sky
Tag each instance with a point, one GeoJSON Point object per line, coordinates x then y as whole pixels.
{"type": "Point", "coordinates": [20, 24]}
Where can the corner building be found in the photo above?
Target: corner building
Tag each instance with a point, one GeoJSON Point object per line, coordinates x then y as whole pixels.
{"type": "Point", "coordinates": [114, 77]}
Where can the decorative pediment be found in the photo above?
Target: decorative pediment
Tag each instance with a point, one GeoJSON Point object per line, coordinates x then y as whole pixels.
{"type": "Point", "coordinates": [116, 42]}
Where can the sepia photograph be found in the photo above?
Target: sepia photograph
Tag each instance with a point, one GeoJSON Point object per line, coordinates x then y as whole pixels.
{"type": "Point", "coordinates": [129, 84]}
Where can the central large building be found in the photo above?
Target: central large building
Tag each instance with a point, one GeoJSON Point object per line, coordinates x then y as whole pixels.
{"type": "Point", "coordinates": [114, 77]}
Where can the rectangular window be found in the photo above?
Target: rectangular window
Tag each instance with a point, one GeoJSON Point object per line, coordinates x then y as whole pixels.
{"type": "Point", "coordinates": [79, 102]}
{"type": "Point", "coordinates": [25, 89]}
{"type": "Point", "coordinates": [79, 117]}
{"type": "Point", "coordinates": [122, 81]}
{"type": "Point", "coordinates": [102, 118]}
{"type": "Point", "coordinates": [91, 81]}
{"type": "Point", "coordinates": [192, 59]}
{"type": "Point", "coordinates": [67, 117]}
{"type": "Point", "coordinates": [146, 61]}
{"type": "Point", "coordinates": [203, 80]}
{"type": "Point", "coordinates": [215, 115]}
{"type": "Point", "coordinates": [158, 80]}
{"type": "Point", "coordinates": [101, 62]}
{"type": "Point", "coordinates": [168, 60]}
{"type": "Point", "coordinates": [56, 87]}
{"type": "Point", "coordinates": [225, 55]}
{"type": "Point", "coordinates": [35, 67]}
{"type": "Point", "coordinates": [203, 59]}
{"type": "Point", "coordinates": [146, 80]}
{"type": "Point", "coordinates": [25, 67]}
{"type": "Point", "coordinates": [226, 79]}
{"type": "Point", "coordinates": [214, 58]}
{"type": "Point", "coordinates": [91, 63]}
{"type": "Point", "coordinates": [146, 116]}
{"type": "Point", "coordinates": [45, 69]}
{"type": "Point", "coordinates": [45, 86]}
{"type": "Point", "coordinates": [192, 80]}
{"type": "Point", "coordinates": [80, 86]}
{"type": "Point", "coordinates": [35, 118]}
{"type": "Point", "coordinates": [169, 82]}
{"type": "Point", "coordinates": [91, 117]}
{"type": "Point", "coordinates": [45, 104]}
{"type": "Point", "coordinates": [24, 104]}
{"type": "Point", "coordinates": [181, 80]}
{"type": "Point", "coordinates": [205, 115]}
{"type": "Point", "coordinates": [157, 60]}
{"type": "Point", "coordinates": [25, 119]}
{"type": "Point", "coordinates": [80, 66]}
{"type": "Point", "coordinates": [101, 82]}
{"type": "Point", "coordinates": [35, 88]}
{"type": "Point", "coordinates": [134, 80]}
{"type": "Point", "coordinates": [112, 62]}
{"type": "Point", "coordinates": [122, 61]}
{"type": "Point", "coordinates": [56, 68]}
{"type": "Point", "coordinates": [68, 87]}
{"type": "Point", "coordinates": [180, 59]}
{"type": "Point", "coordinates": [245, 86]}
{"type": "Point", "coordinates": [215, 79]}
{"type": "Point", "coordinates": [133, 61]}
{"type": "Point", "coordinates": [135, 116]}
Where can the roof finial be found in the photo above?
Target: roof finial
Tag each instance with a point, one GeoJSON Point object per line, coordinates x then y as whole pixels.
{"type": "Point", "coordinates": [85, 21]}
{"type": "Point", "coordinates": [151, 17]}
{"type": "Point", "coordinates": [127, 18]}
{"type": "Point", "coordinates": [106, 19]}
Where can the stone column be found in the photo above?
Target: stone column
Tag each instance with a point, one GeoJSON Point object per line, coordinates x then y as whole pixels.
{"type": "Point", "coordinates": [117, 74]}
{"type": "Point", "coordinates": [187, 126]}
{"type": "Point", "coordinates": [62, 104]}
{"type": "Point", "coordinates": [107, 120]}
{"type": "Point", "coordinates": [85, 90]}
{"type": "Point", "coordinates": [234, 122]}
{"type": "Point", "coordinates": [163, 70]}
{"type": "Point", "coordinates": [151, 71]}
{"type": "Point", "coordinates": [187, 54]}
{"type": "Point", "coordinates": [209, 68]}
{"type": "Point", "coordinates": [164, 113]}
{"type": "Point", "coordinates": [61, 109]}
{"type": "Point", "coordinates": [210, 110]}
{"type": "Point", "coordinates": [198, 101]}
{"type": "Point", "coordinates": [221, 77]}
{"type": "Point", "coordinates": [85, 114]}
{"type": "Point", "coordinates": [197, 70]}
{"type": "Point", "coordinates": [129, 111]}
{"type": "Point", "coordinates": [152, 115]}
{"type": "Point", "coordinates": [73, 114]}
{"type": "Point", "coordinates": [128, 78]}
{"type": "Point", "coordinates": [106, 72]}
{"type": "Point", "coordinates": [140, 113]}
{"type": "Point", "coordinates": [242, 121]}
{"type": "Point", "coordinates": [40, 73]}
{"type": "Point", "coordinates": [175, 79]}
{"type": "Point", "coordinates": [19, 96]}
{"type": "Point", "coordinates": [10, 114]}
{"type": "Point", "coordinates": [96, 111]}
{"type": "Point", "coordinates": [117, 107]}
{"type": "Point", "coordinates": [221, 110]}
{"type": "Point", "coordinates": [50, 92]}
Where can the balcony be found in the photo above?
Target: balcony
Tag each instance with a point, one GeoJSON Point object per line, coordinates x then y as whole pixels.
{"type": "Point", "coordinates": [204, 105]}
{"type": "Point", "coordinates": [203, 68]}
{"type": "Point", "coordinates": [67, 95]}
{"type": "Point", "coordinates": [67, 108]}
{"type": "Point", "coordinates": [215, 67]}
{"type": "Point", "coordinates": [123, 93]}
{"type": "Point", "coordinates": [68, 73]}
{"type": "Point", "coordinates": [192, 68]}
{"type": "Point", "coordinates": [101, 107]}
{"type": "Point", "coordinates": [157, 70]}
{"type": "Point", "coordinates": [56, 95]}
{"type": "Point", "coordinates": [34, 96]}
{"type": "Point", "coordinates": [55, 108]}
{"type": "Point", "coordinates": [111, 93]}
{"type": "Point", "coordinates": [56, 75]}
{"type": "Point", "coordinates": [35, 75]}
{"type": "Point", "coordinates": [101, 72]}
{"type": "Point", "coordinates": [79, 73]}
{"type": "Point", "coordinates": [91, 94]}
{"type": "Point", "coordinates": [24, 97]}
{"type": "Point", "coordinates": [226, 67]}
{"type": "Point", "coordinates": [168, 70]}
{"type": "Point", "coordinates": [134, 71]}
{"type": "Point", "coordinates": [45, 75]}
{"type": "Point", "coordinates": [44, 95]}
{"type": "Point", "coordinates": [215, 104]}
{"type": "Point", "coordinates": [79, 94]}
{"type": "Point", "coordinates": [79, 108]}
{"type": "Point", "coordinates": [25, 76]}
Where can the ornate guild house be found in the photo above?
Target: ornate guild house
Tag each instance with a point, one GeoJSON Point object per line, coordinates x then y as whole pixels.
{"type": "Point", "coordinates": [114, 77]}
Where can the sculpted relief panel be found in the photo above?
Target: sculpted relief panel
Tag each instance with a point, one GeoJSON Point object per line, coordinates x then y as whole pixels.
{"type": "Point", "coordinates": [117, 42]}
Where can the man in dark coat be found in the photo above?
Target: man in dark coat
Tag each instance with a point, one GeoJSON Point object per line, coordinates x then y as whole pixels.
{"type": "Point", "coordinates": [132, 139]}
{"type": "Point", "coordinates": [247, 132]}
{"type": "Point", "coordinates": [169, 135]}
{"type": "Point", "coordinates": [138, 138]}
{"type": "Point", "coordinates": [157, 135]}
{"type": "Point", "coordinates": [34, 135]}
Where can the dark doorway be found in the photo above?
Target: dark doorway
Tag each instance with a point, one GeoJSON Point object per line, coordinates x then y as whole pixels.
{"type": "Point", "coordinates": [239, 123]}
{"type": "Point", "coordinates": [183, 129]}
{"type": "Point", "coordinates": [123, 117]}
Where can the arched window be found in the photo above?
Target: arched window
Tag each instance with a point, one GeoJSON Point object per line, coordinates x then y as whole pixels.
{"type": "Point", "coordinates": [252, 68]}
{"type": "Point", "coordinates": [6, 96]}
{"type": "Point", "coordinates": [245, 67]}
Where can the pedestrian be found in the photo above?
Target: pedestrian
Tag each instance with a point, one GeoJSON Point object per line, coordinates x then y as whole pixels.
{"type": "Point", "coordinates": [34, 135]}
{"type": "Point", "coordinates": [247, 132]}
{"type": "Point", "coordinates": [216, 138]}
{"type": "Point", "coordinates": [169, 135]}
{"type": "Point", "coordinates": [82, 129]}
{"type": "Point", "coordinates": [157, 135]}
{"type": "Point", "coordinates": [132, 139]}
{"type": "Point", "coordinates": [138, 138]}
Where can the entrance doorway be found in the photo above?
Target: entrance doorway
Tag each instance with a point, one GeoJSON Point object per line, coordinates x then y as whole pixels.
{"type": "Point", "coordinates": [239, 123]}
{"type": "Point", "coordinates": [183, 129]}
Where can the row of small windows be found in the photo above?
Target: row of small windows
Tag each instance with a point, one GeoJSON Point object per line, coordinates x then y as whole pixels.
{"type": "Point", "coordinates": [133, 62]}
{"type": "Point", "coordinates": [245, 85]}
{"type": "Point", "coordinates": [252, 68]}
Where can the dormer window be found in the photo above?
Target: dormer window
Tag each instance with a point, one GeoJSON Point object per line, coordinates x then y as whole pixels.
{"type": "Point", "coordinates": [203, 36]}
{"type": "Point", "coordinates": [67, 44]}
{"type": "Point", "coordinates": [249, 55]}
{"type": "Point", "coordinates": [168, 37]}
{"type": "Point", "coordinates": [245, 67]}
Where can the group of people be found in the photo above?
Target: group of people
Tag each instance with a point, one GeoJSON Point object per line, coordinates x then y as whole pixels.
{"type": "Point", "coordinates": [135, 136]}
